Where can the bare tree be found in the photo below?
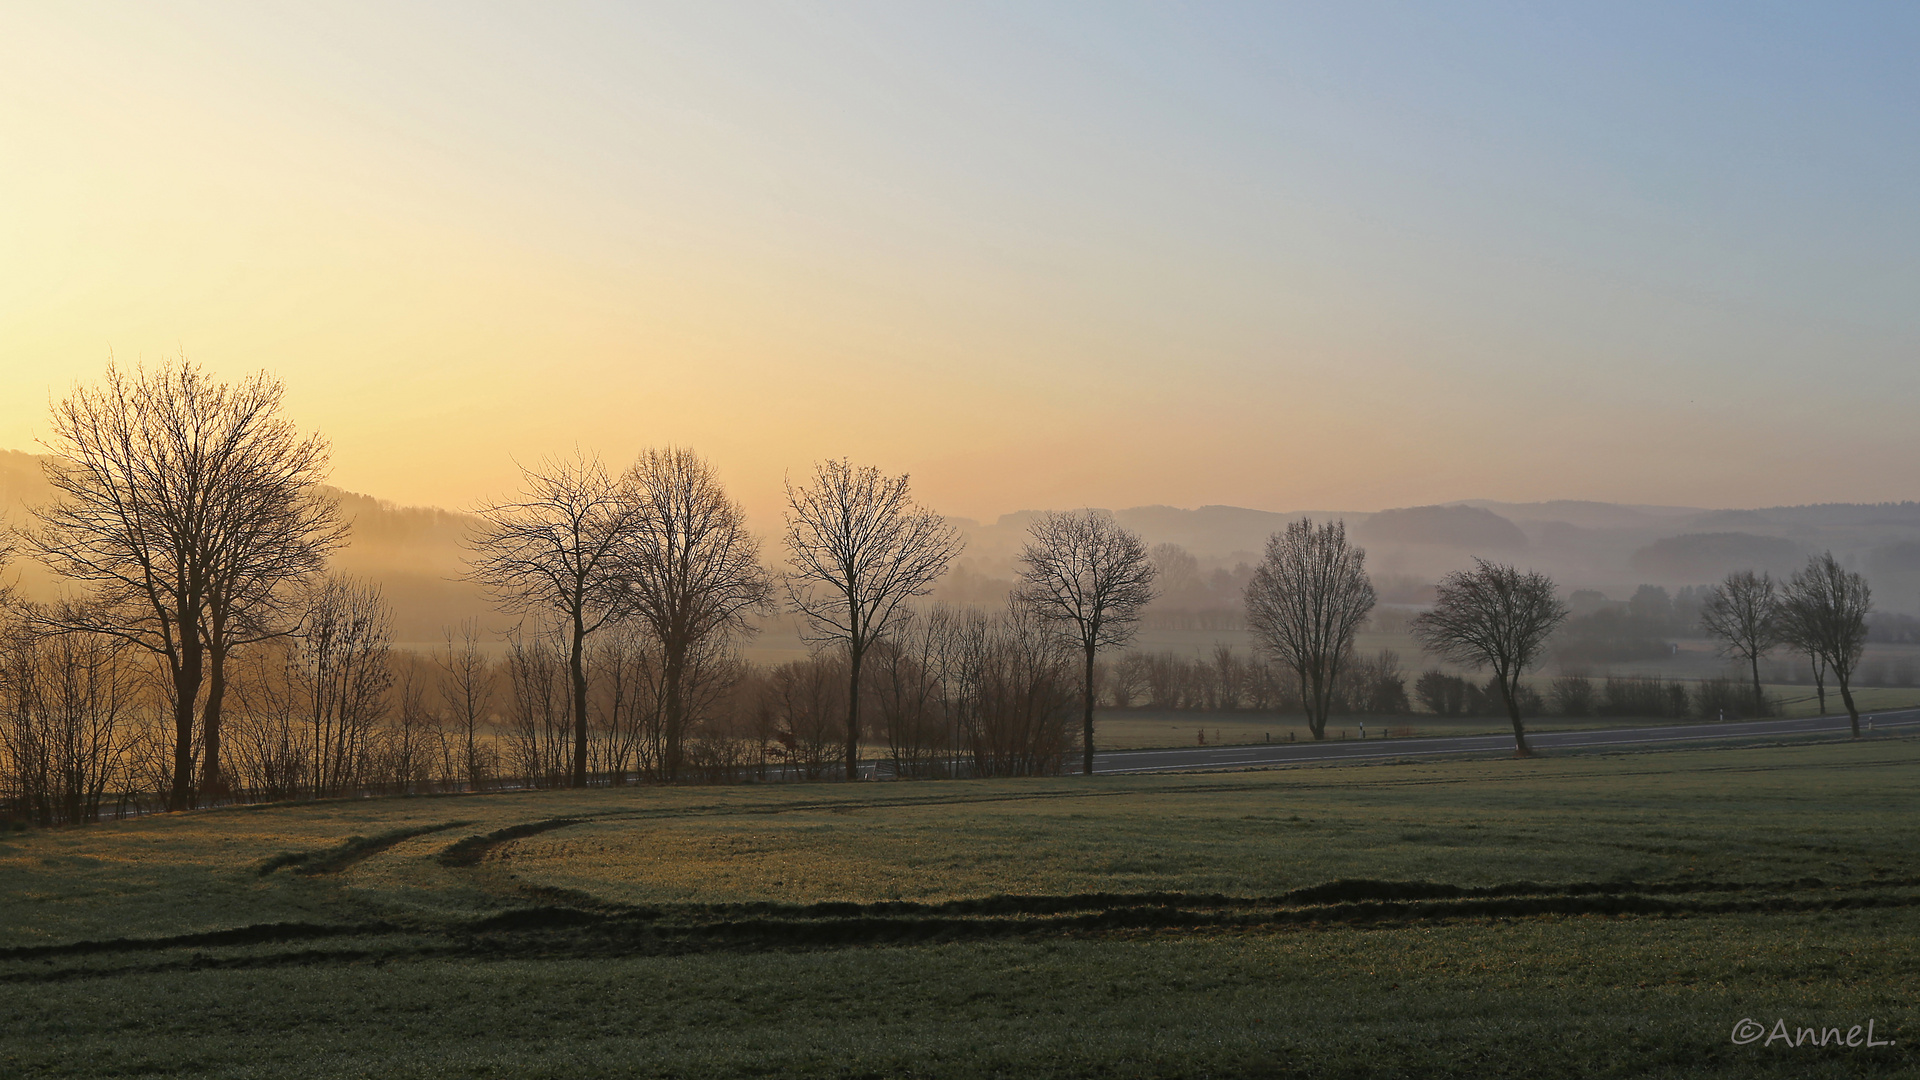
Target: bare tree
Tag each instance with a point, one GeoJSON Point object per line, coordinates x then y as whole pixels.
{"type": "Point", "coordinates": [187, 505]}
{"type": "Point", "coordinates": [692, 574]}
{"type": "Point", "coordinates": [1307, 600]}
{"type": "Point", "coordinates": [1825, 612]}
{"type": "Point", "coordinates": [1088, 579]}
{"type": "Point", "coordinates": [537, 728]}
{"type": "Point", "coordinates": [558, 552]}
{"type": "Point", "coordinates": [1743, 614]}
{"type": "Point", "coordinates": [1493, 616]}
{"type": "Point", "coordinates": [67, 702]}
{"type": "Point", "coordinates": [466, 688]}
{"type": "Point", "coordinates": [339, 670]}
{"type": "Point", "coordinates": [860, 548]}
{"type": "Point", "coordinates": [416, 738]}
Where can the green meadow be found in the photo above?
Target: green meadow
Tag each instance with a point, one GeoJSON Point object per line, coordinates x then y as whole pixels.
{"type": "Point", "coordinates": [1581, 915]}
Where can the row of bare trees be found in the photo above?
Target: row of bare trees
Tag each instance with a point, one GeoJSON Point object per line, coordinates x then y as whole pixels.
{"type": "Point", "coordinates": [663, 551]}
{"type": "Point", "coordinates": [1820, 612]}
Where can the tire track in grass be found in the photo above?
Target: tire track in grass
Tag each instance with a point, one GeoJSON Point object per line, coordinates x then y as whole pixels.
{"type": "Point", "coordinates": [350, 851]}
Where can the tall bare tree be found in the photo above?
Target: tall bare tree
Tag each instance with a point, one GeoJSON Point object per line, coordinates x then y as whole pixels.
{"type": "Point", "coordinates": [860, 548]}
{"type": "Point", "coordinates": [1088, 578]}
{"type": "Point", "coordinates": [1825, 612]}
{"type": "Point", "coordinates": [1494, 616]}
{"type": "Point", "coordinates": [558, 552]}
{"type": "Point", "coordinates": [1743, 615]}
{"type": "Point", "coordinates": [1307, 600]}
{"type": "Point", "coordinates": [188, 505]}
{"type": "Point", "coordinates": [692, 574]}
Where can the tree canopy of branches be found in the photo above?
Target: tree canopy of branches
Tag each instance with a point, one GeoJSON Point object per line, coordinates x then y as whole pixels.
{"type": "Point", "coordinates": [1743, 614]}
{"type": "Point", "coordinates": [692, 574]}
{"type": "Point", "coordinates": [558, 552]}
{"type": "Point", "coordinates": [1307, 600]}
{"type": "Point", "coordinates": [860, 548]}
{"type": "Point", "coordinates": [1088, 579]}
{"type": "Point", "coordinates": [1825, 613]}
{"type": "Point", "coordinates": [188, 506]}
{"type": "Point", "coordinates": [1493, 616]}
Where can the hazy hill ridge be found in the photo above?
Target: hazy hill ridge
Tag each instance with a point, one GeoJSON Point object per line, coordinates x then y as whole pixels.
{"type": "Point", "coordinates": [415, 552]}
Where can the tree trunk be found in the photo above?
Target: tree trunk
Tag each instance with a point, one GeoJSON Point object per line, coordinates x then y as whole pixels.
{"type": "Point", "coordinates": [212, 784]}
{"type": "Point", "coordinates": [673, 663]}
{"type": "Point", "coordinates": [854, 656]}
{"type": "Point", "coordinates": [1759, 699]}
{"type": "Point", "coordinates": [1819, 680]}
{"type": "Point", "coordinates": [577, 668]}
{"type": "Point", "coordinates": [1316, 712]}
{"type": "Point", "coordinates": [1086, 733]}
{"type": "Point", "coordinates": [1520, 747]}
{"type": "Point", "coordinates": [186, 690]}
{"type": "Point", "coordinates": [1853, 714]}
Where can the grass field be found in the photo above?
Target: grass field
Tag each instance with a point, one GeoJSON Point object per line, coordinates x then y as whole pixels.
{"type": "Point", "coordinates": [1576, 916]}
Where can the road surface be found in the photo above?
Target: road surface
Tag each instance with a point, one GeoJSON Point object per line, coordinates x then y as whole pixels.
{"type": "Point", "coordinates": [1297, 753]}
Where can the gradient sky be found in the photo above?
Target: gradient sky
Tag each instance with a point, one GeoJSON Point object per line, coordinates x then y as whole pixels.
{"type": "Point", "coordinates": [1282, 256]}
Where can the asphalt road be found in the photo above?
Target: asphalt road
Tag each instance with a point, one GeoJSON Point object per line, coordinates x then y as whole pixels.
{"type": "Point", "coordinates": [1199, 758]}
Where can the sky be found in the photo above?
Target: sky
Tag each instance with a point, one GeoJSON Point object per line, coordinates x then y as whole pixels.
{"type": "Point", "coordinates": [1285, 256]}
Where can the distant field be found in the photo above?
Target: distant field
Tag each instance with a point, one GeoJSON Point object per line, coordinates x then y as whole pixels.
{"type": "Point", "coordinates": [1141, 729]}
{"type": "Point", "coordinates": [1575, 916]}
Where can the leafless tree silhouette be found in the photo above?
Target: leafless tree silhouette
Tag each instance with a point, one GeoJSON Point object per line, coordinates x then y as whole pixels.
{"type": "Point", "coordinates": [860, 548]}
{"type": "Point", "coordinates": [188, 505]}
{"type": "Point", "coordinates": [467, 688]}
{"type": "Point", "coordinates": [1743, 614]}
{"type": "Point", "coordinates": [692, 575]}
{"type": "Point", "coordinates": [1825, 612]}
{"type": "Point", "coordinates": [558, 552]}
{"type": "Point", "coordinates": [1088, 579]}
{"type": "Point", "coordinates": [1493, 616]}
{"type": "Point", "coordinates": [1307, 600]}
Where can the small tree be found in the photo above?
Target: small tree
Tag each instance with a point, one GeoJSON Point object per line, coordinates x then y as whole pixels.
{"type": "Point", "coordinates": [1088, 578]}
{"type": "Point", "coordinates": [466, 689]}
{"type": "Point", "coordinates": [1307, 600]}
{"type": "Point", "coordinates": [1743, 614]}
{"type": "Point", "coordinates": [1493, 616]}
{"type": "Point", "coordinates": [559, 552]}
{"type": "Point", "coordinates": [1825, 612]}
{"type": "Point", "coordinates": [860, 548]}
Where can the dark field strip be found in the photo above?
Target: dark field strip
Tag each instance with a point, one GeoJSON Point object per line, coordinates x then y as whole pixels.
{"type": "Point", "coordinates": [601, 931]}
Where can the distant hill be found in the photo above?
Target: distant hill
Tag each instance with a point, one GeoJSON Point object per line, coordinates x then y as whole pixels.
{"type": "Point", "coordinates": [1710, 556]}
{"type": "Point", "coordinates": [1452, 526]}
